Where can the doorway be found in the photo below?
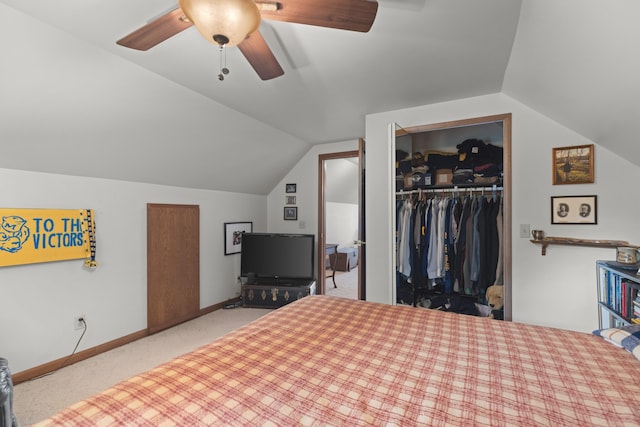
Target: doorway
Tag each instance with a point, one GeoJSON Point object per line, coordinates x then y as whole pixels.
{"type": "Point", "coordinates": [495, 129]}
{"type": "Point", "coordinates": [341, 224]}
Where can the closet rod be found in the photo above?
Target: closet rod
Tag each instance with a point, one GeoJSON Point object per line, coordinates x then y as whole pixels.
{"type": "Point", "coordinates": [449, 190]}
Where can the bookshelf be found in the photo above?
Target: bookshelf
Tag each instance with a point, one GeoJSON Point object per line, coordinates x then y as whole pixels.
{"type": "Point", "coordinates": [618, 295]}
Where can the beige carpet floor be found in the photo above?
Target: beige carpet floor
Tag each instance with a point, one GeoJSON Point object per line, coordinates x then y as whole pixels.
{"type": "Point", "coordinates": [346, 282]}
{"type": "Point", "coordinates": [38, 399]}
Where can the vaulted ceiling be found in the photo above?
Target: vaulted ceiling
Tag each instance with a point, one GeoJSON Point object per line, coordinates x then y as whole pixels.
{"type": "Point", "coordinates": [92, 108]}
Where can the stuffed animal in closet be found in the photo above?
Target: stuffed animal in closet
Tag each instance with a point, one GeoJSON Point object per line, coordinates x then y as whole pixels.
{"type": "Point", "coordinates": [495, 300]}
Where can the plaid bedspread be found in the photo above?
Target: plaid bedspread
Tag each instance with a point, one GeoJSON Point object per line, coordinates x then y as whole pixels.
{"type": "Point", "coordinates": [329, 361]}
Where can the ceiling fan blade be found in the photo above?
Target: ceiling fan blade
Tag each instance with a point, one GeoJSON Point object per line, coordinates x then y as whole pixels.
{"type": "Point", "coordinates": [353, 15]}
{"type": "Point", "coordinates": [157, 31]}
{"type": "Point", "coordinates": [259, 55]}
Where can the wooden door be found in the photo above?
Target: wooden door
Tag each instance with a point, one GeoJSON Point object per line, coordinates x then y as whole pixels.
{"type": "Point", "coordinates": [362, 235]}
{"type": "Point", "coordinates": [173, 265]}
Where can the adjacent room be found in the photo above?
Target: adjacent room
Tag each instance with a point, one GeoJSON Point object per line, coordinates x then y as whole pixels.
{"type": "Point", "coordinates": [138, 150]}
{"type": "Point", "coordinates": [341, 209]}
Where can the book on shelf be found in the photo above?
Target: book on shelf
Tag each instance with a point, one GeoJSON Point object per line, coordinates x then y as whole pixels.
{"type": "Point", "coordinates": [602, 284]}
{"type": "Point", "coordinates": [625, 299]}
{"type": "Point", "coordinates": [618, 293]}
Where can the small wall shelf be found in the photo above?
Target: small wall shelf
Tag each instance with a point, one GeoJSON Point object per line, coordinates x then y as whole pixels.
{"type": "Point", "coordinates": [570, 241]}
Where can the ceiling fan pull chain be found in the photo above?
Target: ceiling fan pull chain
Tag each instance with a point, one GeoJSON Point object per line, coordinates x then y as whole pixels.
{"type": "Point", "coordinates": [223, 63]}
{"type": "Point", "coordinates": [225, 70]}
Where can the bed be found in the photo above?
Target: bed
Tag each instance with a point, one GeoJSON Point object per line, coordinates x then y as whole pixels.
{"type": "Point", "coordinates": [325, 360]}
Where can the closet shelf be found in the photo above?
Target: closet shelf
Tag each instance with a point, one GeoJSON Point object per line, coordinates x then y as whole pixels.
{"type": "Point", "coordinates": [570, 241]}
{"type": "Point", "coordinates": [449, 189]}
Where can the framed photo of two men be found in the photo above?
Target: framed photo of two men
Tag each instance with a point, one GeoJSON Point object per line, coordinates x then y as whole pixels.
{"type": "Point", "coordinates": [574, 210]}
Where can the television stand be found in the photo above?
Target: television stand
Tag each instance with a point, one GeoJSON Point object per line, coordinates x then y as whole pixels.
{"type": "Point", "coordinates": [274, 293]}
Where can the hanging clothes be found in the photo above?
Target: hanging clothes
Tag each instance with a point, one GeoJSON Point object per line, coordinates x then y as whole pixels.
{"type": "Point", "coordinates": [450, 245]}
{"type": "Point", "coordinates": [499, 264]}
{"type": "Point", "coordinates": [419, 278]}
{"type": "Point", "coordinates": [404, 239]}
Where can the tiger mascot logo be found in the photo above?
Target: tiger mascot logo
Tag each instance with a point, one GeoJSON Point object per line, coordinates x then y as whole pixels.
{"type": "Point", "coordinates": [13, 233]}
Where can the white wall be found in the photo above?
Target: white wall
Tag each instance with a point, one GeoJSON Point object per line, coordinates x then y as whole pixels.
{"type": "Point", "coordinates": [341, 201]}
{"type": "Point", "coordinates": [341, 180]}
{"type": "Point", "coordinates": [341, 222]}
{"type": "Point", "coordinates": [305, 175]}
{"type": "Point", "coordinates": [555, 290]}
{"type": "Point", "coordinates": [40, 301]}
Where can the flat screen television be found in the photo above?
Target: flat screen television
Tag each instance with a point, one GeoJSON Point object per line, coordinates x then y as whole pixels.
{"type": "Point", "coordinates": [277, 256]}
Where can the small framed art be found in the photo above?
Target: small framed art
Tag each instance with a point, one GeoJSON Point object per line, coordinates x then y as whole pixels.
{"type": "Point", "coordinates": [573, 165]}
{"type": "Point", "coordinates": [290, 213]}
{"type": "Point", "coordinates": [290, 188]}
{"type": "Point", "coordinates": [290, 200]}
{"type": "Point", "coordinates": [233, 232]}
{"type": "Point", "coordinates": [574, 210]}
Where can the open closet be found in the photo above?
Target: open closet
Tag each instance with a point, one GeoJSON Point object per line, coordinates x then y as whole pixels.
{"type": "Point", "coordinates": [453, 214]}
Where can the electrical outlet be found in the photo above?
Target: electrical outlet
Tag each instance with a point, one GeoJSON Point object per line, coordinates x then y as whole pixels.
{"type": "Point", "coordinates": [525, 230]}
{"type": "Point", "coordinates": [79, 321]}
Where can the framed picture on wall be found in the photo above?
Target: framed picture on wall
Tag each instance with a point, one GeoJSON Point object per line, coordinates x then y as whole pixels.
{"type": "Point", "coordinates": [290, 213]}
{"type": "Point", "coordinates": [574, 210]}
{"type": "Point", "coordinates": [290, 200]}
{"type": "Point", "coordinates": [573, 165]}
{"type": "Point", "coordinates": [290, 188]}
{"type": "Point", "coordinates": [233, 232]}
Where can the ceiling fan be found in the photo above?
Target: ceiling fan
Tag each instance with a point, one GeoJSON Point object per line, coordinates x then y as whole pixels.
{"type": "Point", "coordinates": [235, 22]}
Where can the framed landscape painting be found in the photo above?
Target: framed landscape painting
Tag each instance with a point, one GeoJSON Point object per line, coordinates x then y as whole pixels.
{"type": "Point", "coordinates": [573, 165]}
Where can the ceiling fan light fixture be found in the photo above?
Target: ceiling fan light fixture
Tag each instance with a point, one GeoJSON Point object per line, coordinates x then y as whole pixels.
{"type": "Point", "coordinates": [221, 20]}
